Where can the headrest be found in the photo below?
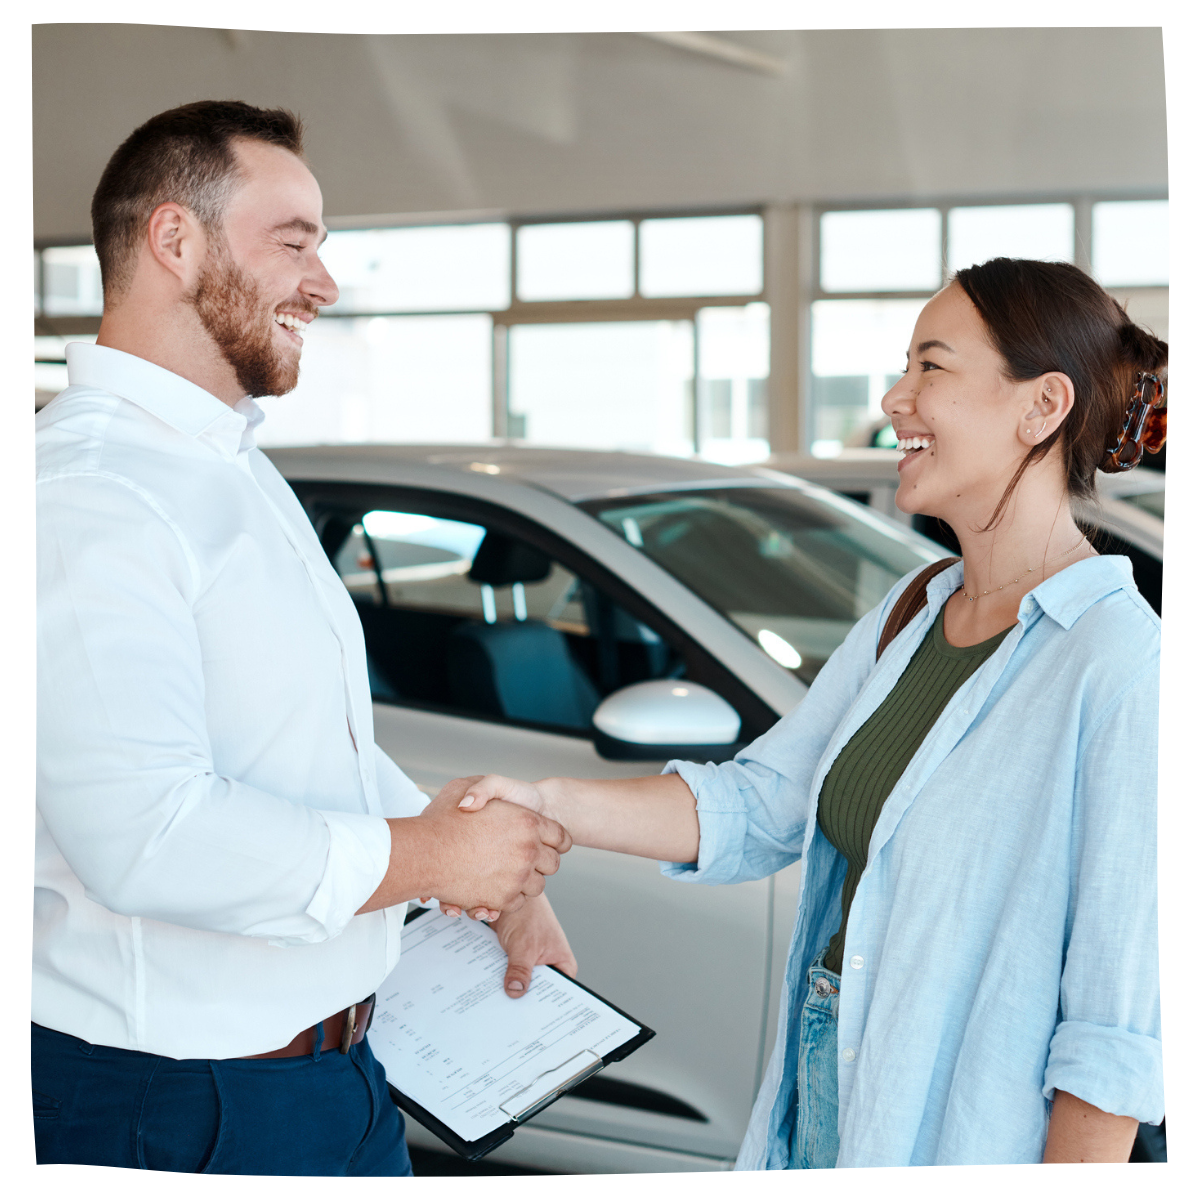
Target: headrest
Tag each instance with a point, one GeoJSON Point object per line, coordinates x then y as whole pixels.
{"type": "Point", "coordinates": [503, 561]}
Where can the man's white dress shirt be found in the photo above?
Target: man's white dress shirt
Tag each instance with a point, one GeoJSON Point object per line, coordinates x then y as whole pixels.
{"type": "Point", "coordinates": [210, 798]}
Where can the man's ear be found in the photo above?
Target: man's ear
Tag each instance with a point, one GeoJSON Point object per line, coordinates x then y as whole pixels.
{"type": "Point", "coordinates": [176, 241]}
{"type": "Point", "coordinates": [1048, 409]}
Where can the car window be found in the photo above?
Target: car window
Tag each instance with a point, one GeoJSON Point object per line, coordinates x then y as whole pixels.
{"type": "Point", "coordinates": [468, 618]}
{"type": "Point", "coordinates": [1155, 503]}
{"type": "Point", "coordinates": [792, 569]}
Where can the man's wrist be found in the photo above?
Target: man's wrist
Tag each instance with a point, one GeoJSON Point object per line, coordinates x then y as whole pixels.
{"type": "Point", "coordinates": [412, 864]}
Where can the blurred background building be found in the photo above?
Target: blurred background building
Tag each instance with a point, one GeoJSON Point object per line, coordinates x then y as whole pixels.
{"type": "Point", "coordinates": [710, 244]}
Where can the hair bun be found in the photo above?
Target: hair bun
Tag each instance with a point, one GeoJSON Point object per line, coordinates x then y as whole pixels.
{"type": "Point", "coordinates": [1141, 349]}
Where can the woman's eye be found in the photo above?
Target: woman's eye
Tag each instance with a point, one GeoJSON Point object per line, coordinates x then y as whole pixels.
{"type": "Point", "coordinates": [929, 366]}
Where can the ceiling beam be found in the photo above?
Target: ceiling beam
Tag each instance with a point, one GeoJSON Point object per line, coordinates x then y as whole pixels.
{"type": "Point", "coordinates": [708, 45]}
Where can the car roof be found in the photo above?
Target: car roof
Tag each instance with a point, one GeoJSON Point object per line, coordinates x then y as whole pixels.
{"type": "Point", "coordinates": [876, 467]}
{"type": "Point", "coordinates": [573, 474]}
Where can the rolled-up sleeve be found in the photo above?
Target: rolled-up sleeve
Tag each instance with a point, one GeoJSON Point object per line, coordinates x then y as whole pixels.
{"type": "Point", "coordinates": [126, 782]}
{"type": "Point", "coordinates": [1107, 1047]}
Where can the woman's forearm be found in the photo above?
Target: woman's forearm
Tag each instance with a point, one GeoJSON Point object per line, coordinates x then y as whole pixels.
{"type": "Point", "coordinates": [1081, 1132]}
{"type": "Point", "coordinates": [653, 816]}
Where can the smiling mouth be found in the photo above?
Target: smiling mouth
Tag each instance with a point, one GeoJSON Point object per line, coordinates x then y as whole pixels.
{"type": "Point", "coordinates": [291, 324]}
{"type": "Point", "coordinates": [912, 447]}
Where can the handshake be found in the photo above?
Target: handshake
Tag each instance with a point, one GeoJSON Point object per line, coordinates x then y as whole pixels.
{"type": "Point", "coordinates": [476, 857]}
{"type": "Point", "coordinates": [513, 845]}
{"type": "Point", "coordinates": [485, 844]}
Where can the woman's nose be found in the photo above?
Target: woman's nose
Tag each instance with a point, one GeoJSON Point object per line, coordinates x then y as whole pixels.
{"type": "Point", "coordinates": [898, 398]}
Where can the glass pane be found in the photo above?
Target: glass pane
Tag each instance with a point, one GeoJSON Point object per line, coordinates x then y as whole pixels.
{"type": "Point", "coordinates": [735, 355]}
{"type": "Point", "coordinates": [794, 571]}
{"type": "Point", "coordinates": [388, 379]}
{"type": "Point", "coordinates": [585, 260]}
{"type": "Point", "coordinates": [422, 269]}
{"type": "Point", "coordinates": [889, 250]}
{"type": "Point", "coordinates": [72, 281]}
{"type": "Point", "coordinates": [543, 649]}
{"type": "Point", "coordinates": [1130, 243]}
{"type": "Point", "coordinates": [1042, 231]}
{"type": "Point", "coordinates": [1155, 503]}
{"type": "Point", "coordinates": [613, 385]}
{"type": "Point", "coordinates": [857, 354]}
{"type": "Point", "coordinates": [413, 550]}
{"type": "Point", "coordinates": [701, 256]}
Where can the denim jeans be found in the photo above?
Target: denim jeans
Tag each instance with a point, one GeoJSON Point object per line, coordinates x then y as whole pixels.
{"type": "Point", "coordinates": [315, 1114]}
{"type": "Point", "coordinates": [815, 1143]}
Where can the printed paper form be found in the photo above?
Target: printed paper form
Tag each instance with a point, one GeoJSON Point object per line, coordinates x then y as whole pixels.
{"type": "Point", "coordinates": [451, 1039]}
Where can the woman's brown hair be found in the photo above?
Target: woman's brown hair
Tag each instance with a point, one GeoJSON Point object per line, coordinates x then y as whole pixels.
{"type": "Point", "coordinates": [1044, 316]}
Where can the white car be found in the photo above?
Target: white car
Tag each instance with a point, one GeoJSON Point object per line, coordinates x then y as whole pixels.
{"type": "Point", "coordinates": [588, 614]}
{"type": "Point", "coordinates": [539, 612]}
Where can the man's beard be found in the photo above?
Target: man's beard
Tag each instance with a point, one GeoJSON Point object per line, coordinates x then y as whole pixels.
{"type": "Point", "coordinates": [231, 308]}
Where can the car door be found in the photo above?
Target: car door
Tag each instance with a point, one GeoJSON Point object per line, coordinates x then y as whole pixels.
{"type": "Point", "coordinates": [488, 652]}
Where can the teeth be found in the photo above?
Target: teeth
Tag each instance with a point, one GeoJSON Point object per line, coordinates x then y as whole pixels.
{"type": "Point", "coordinates": [290, 322]}
{"type": "Point", "coordinates": [914, 443]}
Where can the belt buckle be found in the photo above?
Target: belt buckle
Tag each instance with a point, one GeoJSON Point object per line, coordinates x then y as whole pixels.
{"type": "Point", "coordinates": [349, 1029]}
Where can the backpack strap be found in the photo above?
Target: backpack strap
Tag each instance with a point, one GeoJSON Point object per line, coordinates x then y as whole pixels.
{"type": "Point", "coordinates": [911, 601]}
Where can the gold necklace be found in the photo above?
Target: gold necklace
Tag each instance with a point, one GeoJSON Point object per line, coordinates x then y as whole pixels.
{"type": "Point", "coordinates": [1018, 579]}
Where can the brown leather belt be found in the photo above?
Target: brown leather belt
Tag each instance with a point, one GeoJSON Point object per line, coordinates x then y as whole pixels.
{"type": "Point", "coordinates": [343, 1030]}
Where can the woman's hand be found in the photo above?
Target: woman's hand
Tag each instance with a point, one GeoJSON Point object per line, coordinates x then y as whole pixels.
{"type": "Point", "coordinates": [653, 816]}
{"type": "Point", "coordinates": [482, 788]}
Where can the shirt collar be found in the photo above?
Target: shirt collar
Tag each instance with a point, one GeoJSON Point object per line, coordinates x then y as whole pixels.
{"type": "Point", "coordinates": [179, 403]}
{"type": "Point", "coordinates": [1064, 597]}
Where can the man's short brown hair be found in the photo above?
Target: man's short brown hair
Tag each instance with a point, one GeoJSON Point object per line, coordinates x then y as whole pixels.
{"type": "Point", "coordinates": [185, 155]}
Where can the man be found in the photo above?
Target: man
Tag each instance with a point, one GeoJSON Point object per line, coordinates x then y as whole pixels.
{"type": "Point", "coordinates": [221, 847]}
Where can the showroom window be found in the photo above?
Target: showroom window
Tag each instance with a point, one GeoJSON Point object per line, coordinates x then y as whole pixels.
{"type": "Point", "coordinates": [876, 268]}
{"type": "Point", "coordinates": [627, 331]}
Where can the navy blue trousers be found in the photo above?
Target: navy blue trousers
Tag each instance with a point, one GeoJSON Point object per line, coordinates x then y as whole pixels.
{"type": "Point", "coordinates": [316, 1114]}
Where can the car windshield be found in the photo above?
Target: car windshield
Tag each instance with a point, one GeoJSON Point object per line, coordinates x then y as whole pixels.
{"type": "Point", "coordinates": [793, 568]}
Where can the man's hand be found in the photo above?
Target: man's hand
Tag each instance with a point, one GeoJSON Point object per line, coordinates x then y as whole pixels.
{"type": "Point", "coordinates": [530, 937]}
{"type": "Point", "coordinates": [483, 788]}
{"type": "Point", "coordinates": [494, 860]}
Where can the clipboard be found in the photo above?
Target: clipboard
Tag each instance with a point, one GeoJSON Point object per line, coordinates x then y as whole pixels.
{"type": "Point", "coordinates": [548, 1086]}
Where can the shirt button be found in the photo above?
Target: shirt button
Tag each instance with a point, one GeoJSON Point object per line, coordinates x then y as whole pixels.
{"type": "Point", "coordinates": [848, 1054]}
{"type": "Point", "coordinates": [856, 962]}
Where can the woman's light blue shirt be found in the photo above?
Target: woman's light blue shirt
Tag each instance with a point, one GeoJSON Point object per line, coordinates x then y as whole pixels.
{"type": "Point", "coordinates": [1003, 941]}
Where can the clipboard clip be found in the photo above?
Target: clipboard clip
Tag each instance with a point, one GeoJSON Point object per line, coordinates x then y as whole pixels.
{"type": "Point", "coordinates": [520, 1106]}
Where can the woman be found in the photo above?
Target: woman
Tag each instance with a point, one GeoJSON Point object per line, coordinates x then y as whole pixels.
{"type": "Point", "coordinates": [973, 973]}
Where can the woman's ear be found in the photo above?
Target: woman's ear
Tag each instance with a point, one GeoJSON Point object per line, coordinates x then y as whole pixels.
{"type": "Point", "coordinates": [1047, 409]}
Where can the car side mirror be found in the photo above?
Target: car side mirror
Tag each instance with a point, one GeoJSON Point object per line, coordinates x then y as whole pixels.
{"type": "Point", "coordinates": [666, 718]}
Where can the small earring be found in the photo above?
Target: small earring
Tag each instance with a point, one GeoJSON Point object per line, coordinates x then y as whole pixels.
{"type": "Point", "coordinates": [1039, 432]}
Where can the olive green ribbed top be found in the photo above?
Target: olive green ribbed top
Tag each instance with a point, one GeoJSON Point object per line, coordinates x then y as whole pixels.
{"type": "Point", "coordinates": [865, 772]}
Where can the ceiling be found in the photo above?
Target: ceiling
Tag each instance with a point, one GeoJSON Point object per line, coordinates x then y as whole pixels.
{"type": "Point", "coordinates": [572, 123]}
